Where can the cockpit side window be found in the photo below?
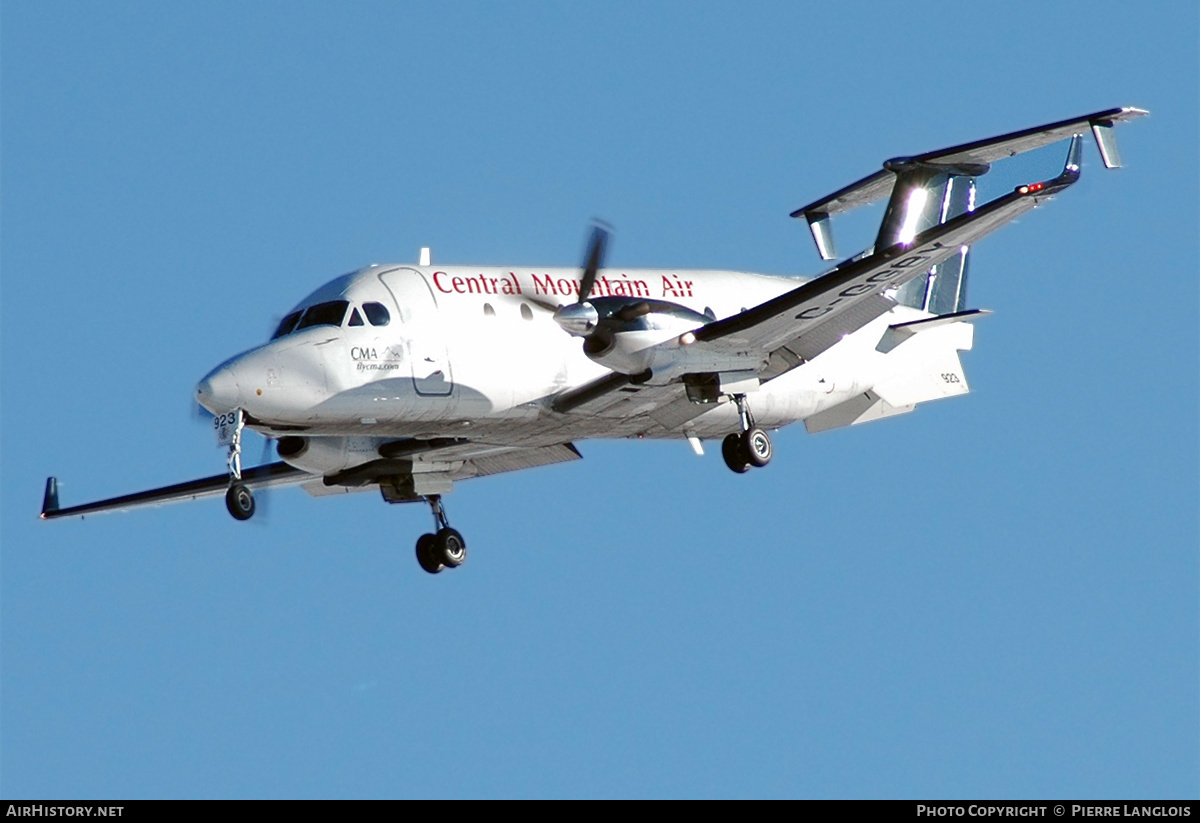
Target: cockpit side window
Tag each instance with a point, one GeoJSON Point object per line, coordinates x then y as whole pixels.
{"type": "Point", "coordinates": [377, 314]}
{"type": "Point", "coordinates": [355, 318]}
{"type": "Point", "coordinates": [324, 314]}
{"type": "Point", "coordinates": [287, 324]}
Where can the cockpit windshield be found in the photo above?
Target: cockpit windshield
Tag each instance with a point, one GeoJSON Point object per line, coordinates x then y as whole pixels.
{"type": "Point", "coordinates": [324, 314]}
{"type": "Point", "coordinates": [287, 325]}
{"type": "Point", "coordinates": [332, 313]}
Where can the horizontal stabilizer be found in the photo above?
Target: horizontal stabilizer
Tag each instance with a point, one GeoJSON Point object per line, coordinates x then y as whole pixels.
{"type": "Point", "coordinates": [1009, 145]}
{"type": "Point", "coordinates": [968, 159]}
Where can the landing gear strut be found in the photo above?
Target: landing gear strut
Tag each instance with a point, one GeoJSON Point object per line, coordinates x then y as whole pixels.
{"type": "Point", "coordinates": [443, 549]}
{"type": "Point", "coordinates": [239, 499]}
{"type": "Point", "coordinates": [751, 447]}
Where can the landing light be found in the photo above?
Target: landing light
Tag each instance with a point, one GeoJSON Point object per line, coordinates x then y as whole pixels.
{"type": "Point", "coordinates": [687, 338]}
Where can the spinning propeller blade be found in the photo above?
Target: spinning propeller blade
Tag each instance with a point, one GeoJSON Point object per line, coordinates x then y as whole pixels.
{"type": "Point", "coordinates": [594, 261]}
{"type": "Point", "coordinates": [263, 495]}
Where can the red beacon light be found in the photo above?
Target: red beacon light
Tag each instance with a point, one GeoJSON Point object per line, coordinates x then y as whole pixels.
{"type": "Point", "coordinates": [1031, 188]}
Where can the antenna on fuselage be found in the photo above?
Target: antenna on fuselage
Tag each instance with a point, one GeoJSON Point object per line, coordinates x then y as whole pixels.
{"type": "Point", "coordinates": [425, 255]}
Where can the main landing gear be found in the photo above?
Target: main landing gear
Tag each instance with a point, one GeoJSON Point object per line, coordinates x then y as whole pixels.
{"type": "Point", "coordinates": [443, 549]}
{"type": "Point", "coordinates": [239, 499]}
{"type": "Point", "coordinates": [751, 447]}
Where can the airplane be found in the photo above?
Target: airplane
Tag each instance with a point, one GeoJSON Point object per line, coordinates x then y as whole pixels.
{"type": "Point", "coordinates": [407, 379]}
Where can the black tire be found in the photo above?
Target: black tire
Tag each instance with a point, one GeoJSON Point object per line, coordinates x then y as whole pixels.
{"type": "Point", "coordinates": [757, 447]}
{"type": "Point", "coordinates": [240, 502]}
{"type": "Point", "coordinates": [427, 555]}
{"type": "Point", "coordinates": [450, 549]}
{"type": "Point", "coordinates": [735, 456]}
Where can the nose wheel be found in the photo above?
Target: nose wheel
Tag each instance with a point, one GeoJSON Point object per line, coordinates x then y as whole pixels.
{"type": "Point", "coordinates": [239, 499]}
{"type": "Point", "coordinates": [445, 548]}
{"type": "Point", "coordinates": [749, 448]}
{"type": "Point", "coordinates": [240, 502]}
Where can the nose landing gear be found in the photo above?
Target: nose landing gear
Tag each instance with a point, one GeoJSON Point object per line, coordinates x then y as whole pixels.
{"type": "Point", "coordinates": [751, 447]}
{"type": "Point", "coordinates": [239, 499]}
{"type": "Point", "coordinates": [445, 549]}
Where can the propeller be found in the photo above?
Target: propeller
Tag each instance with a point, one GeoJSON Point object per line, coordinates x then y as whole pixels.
{"type": "Point", "coordinates": [598, 320]}
{"type": "Point", "coordinates": [581, 318]}
{"type": "Point", "coordinates": [262, 495]}
{"type": "Point", "coordinates": [595, 256]}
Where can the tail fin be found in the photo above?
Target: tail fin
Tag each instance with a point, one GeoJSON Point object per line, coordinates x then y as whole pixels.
{"type": "Point", "coordinates": [943, 289]}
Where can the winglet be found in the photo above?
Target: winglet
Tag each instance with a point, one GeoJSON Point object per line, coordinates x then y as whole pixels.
{"type": "Point", "coordinates": [1070, 174]}
{"type": "Point", "coordinates": [1106, 138]}
{"type": "Point", "coordinates": [818, 224]}
{"type": "Point", "coordinates": [50, 500]}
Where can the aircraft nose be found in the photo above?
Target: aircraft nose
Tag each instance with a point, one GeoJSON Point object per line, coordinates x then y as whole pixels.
{"type": "Point", "coordinates": [218, 391]}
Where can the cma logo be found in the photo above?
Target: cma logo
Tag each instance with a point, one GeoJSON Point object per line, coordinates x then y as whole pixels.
{"type": "Point", "coordinates": [359, 353]}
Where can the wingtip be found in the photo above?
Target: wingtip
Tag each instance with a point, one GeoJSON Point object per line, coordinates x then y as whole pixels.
{"type": "Point", "coordinates": [1070, 173]}
{"type": "Point", "coordinates": [50, 498]}
{"type": "Point", "coordinates": [1074, 156]}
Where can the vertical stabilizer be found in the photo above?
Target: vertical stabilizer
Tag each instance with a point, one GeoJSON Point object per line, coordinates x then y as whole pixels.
{"type": "Point", "coordinates": [943, 289]}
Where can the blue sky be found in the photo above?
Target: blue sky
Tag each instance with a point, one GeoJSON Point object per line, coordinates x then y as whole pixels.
{"type": "Point", "coordinates": [995, 596]}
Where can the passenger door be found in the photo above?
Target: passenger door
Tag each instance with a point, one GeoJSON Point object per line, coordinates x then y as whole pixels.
{"type": "Point", "coordinates": [418, 312]}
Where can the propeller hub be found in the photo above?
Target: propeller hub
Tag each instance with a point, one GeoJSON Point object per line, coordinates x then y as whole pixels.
{"type": "Point", "coordinates": [578, 319]}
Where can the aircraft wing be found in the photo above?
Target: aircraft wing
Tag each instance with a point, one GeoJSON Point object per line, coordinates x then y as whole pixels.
{"type": "Point", "coordinates": [456, 459]}
{"type": "Point", "coordinates": [271, 474]}
{"type": "Point", "coordinates": [622, 407]}
{"type": "Point", "coordinates": [800, 324]}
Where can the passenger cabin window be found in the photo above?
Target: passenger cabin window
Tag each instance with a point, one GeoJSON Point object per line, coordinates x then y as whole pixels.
{"type": "Point", "coordinates": [488, 311]}
{"type": "Point", "coordinates": [377, 314]}
{"type": "Point", "coordinates": [287, 325]}
{"type": "Point", "coordinates": [355, 318]}
{"type": "Point", "coordinates": [324, 314]}
{"type": "Point", "coordinates": [526, 312]}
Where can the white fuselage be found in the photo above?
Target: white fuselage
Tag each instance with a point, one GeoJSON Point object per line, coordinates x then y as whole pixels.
{"type": "Point", "coordinates": [475, 352]}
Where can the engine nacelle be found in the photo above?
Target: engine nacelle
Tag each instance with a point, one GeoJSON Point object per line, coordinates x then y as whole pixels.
{"type": "Point", "coordinates": [326, 455]}
{"type": "Point", "coordinates": [626, 333]}
{"type": "Point", "coordinates": [665, 350]}
{"type": "Point", "coordinates": [628, 352]}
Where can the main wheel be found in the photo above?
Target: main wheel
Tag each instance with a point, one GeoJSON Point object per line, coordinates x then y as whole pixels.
{"type": "Point", "coordinates": [757, 447]}
{"type": "Point", "coordinates": [427, 554]}
{"type": "Point", "coordinates": [450, 548]}
{"type": "Point", "coordinates": [735, 456]}
{"type": "Point", "coordinates": [240, 502]}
